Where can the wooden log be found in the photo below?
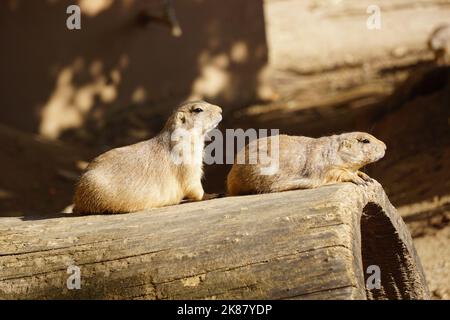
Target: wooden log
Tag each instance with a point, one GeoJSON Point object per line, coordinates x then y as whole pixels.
{"type": "Point", "coordinates": [306, 244]}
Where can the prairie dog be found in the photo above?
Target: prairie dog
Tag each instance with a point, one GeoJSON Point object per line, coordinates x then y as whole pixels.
{"type": "Point", "coordinates": [304, 163]}
{"type": "Point", "coordinates": [154, 173]}
{"type": "Point", "coordinates": [439, 43]}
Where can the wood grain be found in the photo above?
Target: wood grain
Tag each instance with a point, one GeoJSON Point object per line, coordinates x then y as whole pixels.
{"type": "Point", "coordinates": [303, 244]}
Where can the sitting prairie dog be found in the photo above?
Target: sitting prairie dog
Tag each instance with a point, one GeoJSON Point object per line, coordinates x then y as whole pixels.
{"type": "Point", "coordinates": [303, 163]}
{"type": "Point", "coordinates": [439, 43]}
{"type": "Point", "coordinates": [154, 173]}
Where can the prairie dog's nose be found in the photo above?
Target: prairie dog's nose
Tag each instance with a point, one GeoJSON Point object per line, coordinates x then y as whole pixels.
{"type": "Point", "coordinates": [219, 109]}
{"type": "Point", "coordinates": [381, 143]}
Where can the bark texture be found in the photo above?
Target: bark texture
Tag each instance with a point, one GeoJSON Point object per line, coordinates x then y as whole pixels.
{"type": "Point", "coordinates": [306, 244]}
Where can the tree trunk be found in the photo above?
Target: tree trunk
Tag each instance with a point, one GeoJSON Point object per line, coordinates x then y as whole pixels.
{"type": "Point", "coordinates": [306, 244]}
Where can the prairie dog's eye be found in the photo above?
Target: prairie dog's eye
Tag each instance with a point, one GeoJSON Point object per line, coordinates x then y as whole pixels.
{"type": "Point", "coordinates": [197, 110]}
{"type": "Point", "coordinates": [364, 140]}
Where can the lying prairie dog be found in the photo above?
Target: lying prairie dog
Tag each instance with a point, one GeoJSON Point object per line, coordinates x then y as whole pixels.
{"type": "Point", "coordinates": [151, 173]}
{"type": "Point", "coordinates": [304, 163]}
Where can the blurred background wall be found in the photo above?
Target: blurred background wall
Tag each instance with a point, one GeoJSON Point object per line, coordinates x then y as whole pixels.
{"type": "Point", "coordinates": [54, 80]}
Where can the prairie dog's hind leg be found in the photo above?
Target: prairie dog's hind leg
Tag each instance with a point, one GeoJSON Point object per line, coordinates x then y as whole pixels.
{"type": "Point", "coordinates": [195, 193]}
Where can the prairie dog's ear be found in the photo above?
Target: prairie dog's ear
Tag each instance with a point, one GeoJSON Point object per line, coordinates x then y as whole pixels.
{"type": "Point", "coordinates": [180, 117]}
{"type": "Point", "coordinates": [345, 144]}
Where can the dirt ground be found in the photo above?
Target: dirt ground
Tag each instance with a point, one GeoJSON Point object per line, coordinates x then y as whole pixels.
{"type": "Point", "coordinates": [330, 74]}
{"type": "Point", "coordinates": [37, 175]}
{"type": "Point", "coordinates": [434, 252]}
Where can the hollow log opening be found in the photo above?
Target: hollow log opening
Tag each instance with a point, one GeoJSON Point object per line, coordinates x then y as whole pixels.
{"type": "Point", "coordinates": [382, 247]}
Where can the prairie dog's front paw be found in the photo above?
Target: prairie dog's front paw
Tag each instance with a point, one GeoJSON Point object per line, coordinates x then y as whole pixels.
{"type": "Point", "coordinates": [365, 177]}
{"type": "Point", "coordinates": [357, 180]}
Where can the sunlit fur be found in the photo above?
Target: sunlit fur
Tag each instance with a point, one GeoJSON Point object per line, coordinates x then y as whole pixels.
{"type": "Point", "coordinates": [308, 163]}
{"type": "Point", "coordinates": [144, 175]}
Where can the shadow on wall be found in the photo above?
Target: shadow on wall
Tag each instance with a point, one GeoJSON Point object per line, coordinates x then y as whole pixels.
{"type": "Point", "coordinates": [55, 80]}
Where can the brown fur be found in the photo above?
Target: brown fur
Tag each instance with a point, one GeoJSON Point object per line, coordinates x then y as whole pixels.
{"type": "Point", "coordinates": [145, 175]}
{"type": "Point", "coordinates": [305, 163]}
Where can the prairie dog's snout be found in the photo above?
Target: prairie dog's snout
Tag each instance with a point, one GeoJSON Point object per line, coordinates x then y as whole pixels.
{"type": "Point", "coordinates": [214, 116]}
{"type": "Point", "coordinates": [381, 148]}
